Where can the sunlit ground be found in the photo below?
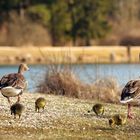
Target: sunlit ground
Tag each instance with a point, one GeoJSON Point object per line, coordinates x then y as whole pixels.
{"type": "Point", "coordinates": [65, 118]}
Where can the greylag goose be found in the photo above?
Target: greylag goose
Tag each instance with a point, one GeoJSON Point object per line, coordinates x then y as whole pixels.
{"type": "Point", "coordinates": [130, 94]}
{"type": "Point", "coordinates": [13, 84]}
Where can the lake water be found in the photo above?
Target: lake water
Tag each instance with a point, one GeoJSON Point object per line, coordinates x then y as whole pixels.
{"type": "Point", "coordinates": [86, 72]}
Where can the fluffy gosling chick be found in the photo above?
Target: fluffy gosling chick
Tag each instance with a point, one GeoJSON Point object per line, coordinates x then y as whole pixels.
{"type": "Point", "coordinates": [40, 103]}
{"type": "Point", "coordinates": [17, 109]}
{"type": "Point", "coordinates": [117, 119]}
{"type": "Point", "coordinates": [98, 109]}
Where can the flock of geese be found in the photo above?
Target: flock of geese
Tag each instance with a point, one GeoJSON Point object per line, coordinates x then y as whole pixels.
{"type": "Point", "coordinates": [13, 85]}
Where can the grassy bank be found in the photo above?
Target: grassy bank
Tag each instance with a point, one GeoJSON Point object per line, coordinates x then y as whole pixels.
{"type": "Point", "coordinates": [64, 118]}
{"type": "Point", "coordinates": [35, 55]}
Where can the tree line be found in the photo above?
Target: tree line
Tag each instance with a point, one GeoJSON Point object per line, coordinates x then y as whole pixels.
{"type": "Point", "coordinates": [71, 20]}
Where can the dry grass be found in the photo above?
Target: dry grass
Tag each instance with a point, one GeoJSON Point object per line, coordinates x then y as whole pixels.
{"type": "Point", "coordinates": [106, 90]}
{"type": "Point", "coordinates": [63, 81]}
{"type": "Point", "coordinates": [35, 55]}
{"type": "Point", "coordinates": [45, 55]}
{"type": "Point", "coordinates": [135, 54]}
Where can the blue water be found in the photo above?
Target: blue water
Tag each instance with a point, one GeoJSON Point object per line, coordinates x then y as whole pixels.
{"type": "Point", "coordinates": [86, 72]}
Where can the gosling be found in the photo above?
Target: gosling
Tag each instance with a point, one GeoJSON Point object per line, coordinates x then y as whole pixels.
{"type": "Point", "coordinates": [40, 103]}
{"type": "Point", "coordinates": [117, 119]}
{"type": "Point", "coordinates": [17, 109]}
{"type": "Point", "coordinates": [98, 109]}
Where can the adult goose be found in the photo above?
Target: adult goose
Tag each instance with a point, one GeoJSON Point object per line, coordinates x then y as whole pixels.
{"type": "Point", "coordinates": [130, 94]}
{"type": "Point", "coordinates": [13, 84]}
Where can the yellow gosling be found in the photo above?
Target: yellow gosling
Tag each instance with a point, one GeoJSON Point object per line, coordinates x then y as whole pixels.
{"type": "Point", "coordinates": [40, 103]}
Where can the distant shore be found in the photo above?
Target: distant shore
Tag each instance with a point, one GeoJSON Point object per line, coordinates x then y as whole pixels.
{"type": "Point", "coordinates": [46, 55]}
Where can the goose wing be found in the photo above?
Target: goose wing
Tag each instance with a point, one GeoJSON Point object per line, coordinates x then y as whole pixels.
{"type": "Point", "coordinates": [131, 90]}
{"type": "Point", "coordinates": [15, 80]}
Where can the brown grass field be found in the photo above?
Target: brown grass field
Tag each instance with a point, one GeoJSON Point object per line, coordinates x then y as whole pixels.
{"type": "Point", "coordinates": [35, 55]}
{"type": "Point", "coordinates": [65, 118]}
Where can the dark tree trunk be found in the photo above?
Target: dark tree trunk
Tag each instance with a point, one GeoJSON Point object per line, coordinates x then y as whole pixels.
{"type": "Point", "coordinates": [87, 41]}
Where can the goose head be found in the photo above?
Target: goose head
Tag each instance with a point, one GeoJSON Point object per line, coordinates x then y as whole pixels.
{"type": "Point", "coordinates": [22, 68]}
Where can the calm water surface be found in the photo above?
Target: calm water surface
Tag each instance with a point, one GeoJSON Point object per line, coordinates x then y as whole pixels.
{"type": "Point", "coordinates": [86, 72]}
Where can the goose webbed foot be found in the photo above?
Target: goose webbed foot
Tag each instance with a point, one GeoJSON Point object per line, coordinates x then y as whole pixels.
{"type": "Point", "coordinates": [18, 99]}
{"type": "Point", "coordinates": [130, 116]}
{"type": "Point", "coordinates": [9, 101]}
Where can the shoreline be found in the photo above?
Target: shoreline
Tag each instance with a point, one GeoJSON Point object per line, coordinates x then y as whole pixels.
{"type": "Point", "coordinates": [69, 55]}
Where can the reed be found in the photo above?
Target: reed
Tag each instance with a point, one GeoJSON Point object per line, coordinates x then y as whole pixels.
{"type": "Point", "coordinates": [62, 80]}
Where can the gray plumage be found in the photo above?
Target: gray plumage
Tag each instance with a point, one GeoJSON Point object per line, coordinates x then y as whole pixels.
{"type": "Point", "coordinates": [13, 84]}
{"type": "Point", "coordinates": [131, 91]}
